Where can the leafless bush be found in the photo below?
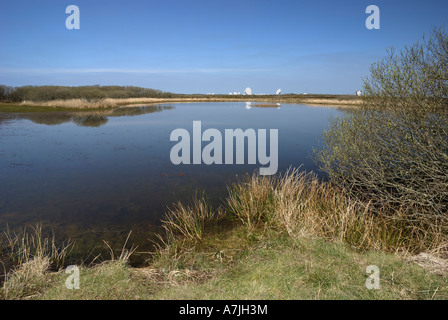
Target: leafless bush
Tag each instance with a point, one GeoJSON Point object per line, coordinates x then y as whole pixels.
{"type": "Point", "coordinates": [394, 151]}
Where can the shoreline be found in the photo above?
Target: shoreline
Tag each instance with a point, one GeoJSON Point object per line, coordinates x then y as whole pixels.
{"type": "Point", "coordinates": [231, 251]}
{"type": "Point", "coordinates": [342, 101]}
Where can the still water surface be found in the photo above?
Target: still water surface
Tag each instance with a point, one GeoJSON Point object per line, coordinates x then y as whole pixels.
{"type": "Point", "coordinates": [94, 176]}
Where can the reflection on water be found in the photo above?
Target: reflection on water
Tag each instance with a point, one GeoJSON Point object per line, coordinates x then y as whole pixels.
{"type": "Point", "coordinates": [93, 176]}
{"type": "Point", "coordinates": [89, 118]}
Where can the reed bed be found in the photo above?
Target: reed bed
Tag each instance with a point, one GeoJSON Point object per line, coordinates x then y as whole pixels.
{"type": "Point", "coordinates": [87, 104]}
{"type": "Point", "coordinates": [300, 205]}
{"type": "Point", "coordinates": [190, 220]}
{"type": "Point", "coordinates": [108, 103]}
{"type": "Point", "coordinates": [30, 255]}
{"type": "Point", "coordinates": [23, 246]}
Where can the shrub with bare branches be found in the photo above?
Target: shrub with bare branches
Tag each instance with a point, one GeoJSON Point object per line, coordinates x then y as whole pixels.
{"type": "Point", "coordinates": [394, 151]}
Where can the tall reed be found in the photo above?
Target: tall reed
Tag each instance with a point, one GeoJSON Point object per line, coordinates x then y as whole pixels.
{"type": "Point", "coordinates": [299, 204]}
{"type": "Point", "coordinates": [190, 220]}
{"type": "Point", "coordinates": [23, 246]}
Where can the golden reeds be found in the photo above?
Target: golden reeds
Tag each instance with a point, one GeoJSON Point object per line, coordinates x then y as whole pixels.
{"type": "Point", "coordinates": [300, 205]}
{"type": "Point", "coordinates": [23, 246]}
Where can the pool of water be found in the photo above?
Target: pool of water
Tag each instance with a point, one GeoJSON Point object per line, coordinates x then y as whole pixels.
{"type": "Point", "coordinates": [94, 176]}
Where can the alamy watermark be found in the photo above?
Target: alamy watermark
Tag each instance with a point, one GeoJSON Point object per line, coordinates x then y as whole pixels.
{"type": "Point", "coordinates": [373, 279]}
{"type": "Point", "coordinates": [72, 281]}
{"type": "Point", "coordinates": [234, 139]}
{"type": "Point", "coordinates": [373, 20]}
{"type": "Point", "coordinates": [73, 21]}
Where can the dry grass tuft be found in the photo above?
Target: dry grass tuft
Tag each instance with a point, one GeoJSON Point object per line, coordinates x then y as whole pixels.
{"type": "Point", "coordinates": [23, 246]}
{"type": "Point", "coordinates": [125, 253]}
{"type": "Point", "coordinates": [31, 255]}
{"type": "Point", "coordinates": [172, 277]}
{"type": "Point", "coordinates": [300, 205]}
{"type": "Point", "coordinates": [27, 280]}
{"type": "Point", "coordinates": [190, 220]}
{"type": "Point", "coordinates": [431, 262]}
{"type": "Point", "coordinates": [251, 201]}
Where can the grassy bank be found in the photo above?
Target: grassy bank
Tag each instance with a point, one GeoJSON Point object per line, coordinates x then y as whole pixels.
{"type": "Point", "coordinates": [285, 237]}
{"type": "Point", "coordinates": [108, 103]}
{"type": "Point", "coordinates": [266, 266]}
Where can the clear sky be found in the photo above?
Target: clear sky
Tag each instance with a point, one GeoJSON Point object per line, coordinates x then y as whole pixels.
{"type": "Point", "coordinates": [205, 46]}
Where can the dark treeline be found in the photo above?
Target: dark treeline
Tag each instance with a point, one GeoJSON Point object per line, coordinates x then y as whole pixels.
{"type": "Point", "coordinates": [90, 93]}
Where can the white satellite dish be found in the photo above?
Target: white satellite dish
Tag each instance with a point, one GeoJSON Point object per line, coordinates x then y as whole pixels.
{"type": "Point", "coordinates": [279, 91]}
{"type": "Point", "coordinates": [248, 91]}
{"type": "Point", "coordinates": [359, 93]}
{"type": "Point", "coordinates": [230, 93]}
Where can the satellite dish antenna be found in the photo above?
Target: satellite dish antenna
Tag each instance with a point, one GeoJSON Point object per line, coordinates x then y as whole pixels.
{"type": "Point", "coordinates": [230, 93]}
{"type": "Point", "coordinates": [279, 91]}
{"type": "Point", "coordinates": [359, 93]}
{"type": "Point", "coordinates": [248, 91]}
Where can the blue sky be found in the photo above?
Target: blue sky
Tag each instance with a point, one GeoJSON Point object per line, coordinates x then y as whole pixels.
{"type": "Point", "coordinates": [319, 46]}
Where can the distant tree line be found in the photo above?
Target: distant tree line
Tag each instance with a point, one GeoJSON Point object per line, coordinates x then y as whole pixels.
{"type": "Point", "coordinates": [90, 93]}
{"type": "Point", "coordinates": [5, 91]}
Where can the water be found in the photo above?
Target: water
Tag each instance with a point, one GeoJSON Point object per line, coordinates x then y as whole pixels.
{"type": "Point", "coordinates": [94, 176]}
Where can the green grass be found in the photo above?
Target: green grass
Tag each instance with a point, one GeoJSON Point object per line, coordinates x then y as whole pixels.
{"type": "Point", "coordinates": [277, 267]}
{"type": "Point", "coordinates": [263, 267]}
